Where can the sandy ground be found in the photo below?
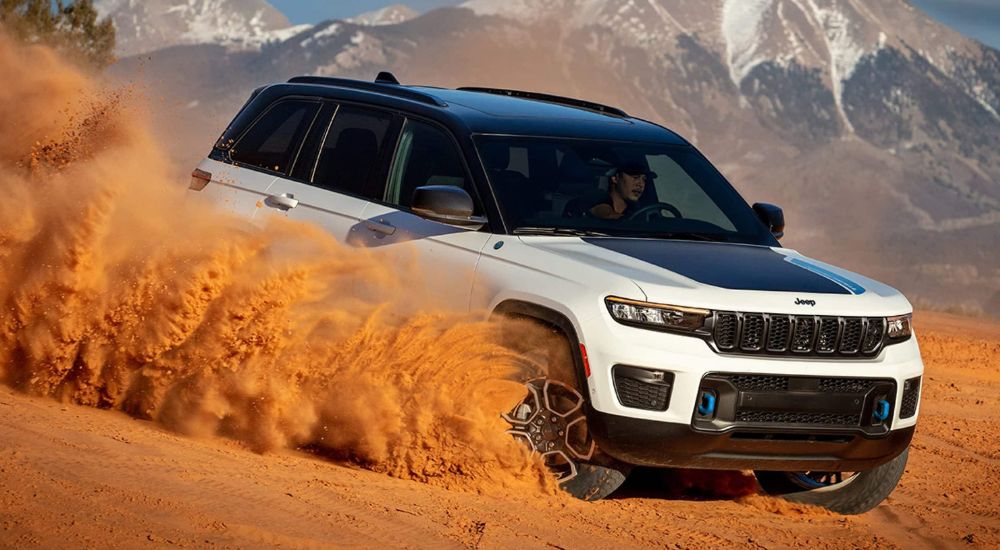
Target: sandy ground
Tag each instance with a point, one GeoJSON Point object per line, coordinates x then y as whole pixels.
{"type": "Point", "coordinates": [74, 476]}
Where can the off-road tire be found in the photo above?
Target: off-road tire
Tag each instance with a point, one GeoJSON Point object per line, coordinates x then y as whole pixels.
{"type": "Point", "coordinates": [602, 475]}
{"type": "Point", "coordinates": [857, 495]}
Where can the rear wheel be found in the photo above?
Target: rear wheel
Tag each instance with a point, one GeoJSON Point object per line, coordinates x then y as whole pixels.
{"type": "Point", "coordinates": [841, 492]}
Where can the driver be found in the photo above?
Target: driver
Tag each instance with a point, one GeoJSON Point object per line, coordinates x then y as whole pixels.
{"type": "Point", "coordinates": [626, 186]}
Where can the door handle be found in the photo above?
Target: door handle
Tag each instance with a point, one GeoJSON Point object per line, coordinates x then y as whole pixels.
{"type": "Point", "coordinates": [284, 201]}
{"type": "Point", "coordinates": [380, 227]}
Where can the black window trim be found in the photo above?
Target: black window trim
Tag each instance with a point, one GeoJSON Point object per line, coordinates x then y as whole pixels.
{"type": "Point", "coordinates": [298, 150]}
{"type": "Point", "coordinates": [402, 116]}
{"type": "Point", "coordinates": [337, 104]}
{"type": "Point", "coordinates": [476, 197]}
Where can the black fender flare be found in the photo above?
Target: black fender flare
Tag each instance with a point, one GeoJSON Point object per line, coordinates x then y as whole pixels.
{"type": "Point", "coordinates": [556, 321]}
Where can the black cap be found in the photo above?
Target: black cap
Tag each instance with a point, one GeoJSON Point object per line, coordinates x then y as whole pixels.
{"type": "Point", "coordinates": [633, 169]}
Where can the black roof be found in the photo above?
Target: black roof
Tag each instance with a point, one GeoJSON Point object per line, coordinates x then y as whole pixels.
{"type": "Point", "coordinates": [489, 110]}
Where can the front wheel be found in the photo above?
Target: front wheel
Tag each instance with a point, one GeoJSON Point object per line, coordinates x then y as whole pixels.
{"type": "Point", "coordinates": [551, 421]}
{"type": "Point", "coordinates": [841, 492]}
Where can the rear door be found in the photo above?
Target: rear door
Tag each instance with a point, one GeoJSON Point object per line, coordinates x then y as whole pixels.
{"type": "Point", "coordinates": [439, 259]}
{"type": "Point", "coordinates": [268, 149]}
{"type": "Point", "coordinates": [343, 165]}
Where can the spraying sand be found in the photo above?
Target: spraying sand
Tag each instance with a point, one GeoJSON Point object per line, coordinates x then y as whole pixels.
{"type": "Point", "coordinates": [122, 293]}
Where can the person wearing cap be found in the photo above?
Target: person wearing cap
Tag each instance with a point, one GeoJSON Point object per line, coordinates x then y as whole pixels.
{"type": "Point", "coordinates": [626, 186]}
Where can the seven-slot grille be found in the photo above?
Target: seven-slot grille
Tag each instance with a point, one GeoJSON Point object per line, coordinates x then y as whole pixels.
{"type": "Point", "coordinates": [763, 333]}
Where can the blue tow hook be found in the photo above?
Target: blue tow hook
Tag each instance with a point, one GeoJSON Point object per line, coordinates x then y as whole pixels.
{"type": "Point", "coordinates": [881, 412]}
{"type": "Point", "coordinates": [707, 404]}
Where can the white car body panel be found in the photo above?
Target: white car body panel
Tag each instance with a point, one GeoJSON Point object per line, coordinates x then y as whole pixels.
{"type": "Point", "coordinates": [438, 259]}
{"type": "Point", "coordinates": [578, 277]}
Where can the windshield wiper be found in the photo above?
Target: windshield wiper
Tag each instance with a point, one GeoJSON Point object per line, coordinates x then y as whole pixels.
{"type": "Point", "coordinates": [568, 231]}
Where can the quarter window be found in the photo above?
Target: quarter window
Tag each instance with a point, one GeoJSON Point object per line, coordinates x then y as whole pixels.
{"type": "Point", "coordinates": [274, 139]}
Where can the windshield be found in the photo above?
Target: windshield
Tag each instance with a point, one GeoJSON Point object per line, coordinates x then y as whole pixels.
{"type": "Point", "coordinates": [562, 186]}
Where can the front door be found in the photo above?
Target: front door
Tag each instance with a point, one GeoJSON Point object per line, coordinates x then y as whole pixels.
{"type": "Point", "coordinates": [439, 259]}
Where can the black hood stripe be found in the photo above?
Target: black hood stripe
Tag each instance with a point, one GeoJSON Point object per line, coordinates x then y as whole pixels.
{"type": "Point", "coordinates": [737, 267]}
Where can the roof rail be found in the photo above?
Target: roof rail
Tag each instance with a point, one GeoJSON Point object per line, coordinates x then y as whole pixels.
{"type": "Point", "coordinates": [381, 87]}
{"type": "Point", "coordinates": [582, 104]}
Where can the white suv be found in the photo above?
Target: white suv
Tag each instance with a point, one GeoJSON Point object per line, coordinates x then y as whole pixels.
{"type": "Point", "coordinates": [691, 338]}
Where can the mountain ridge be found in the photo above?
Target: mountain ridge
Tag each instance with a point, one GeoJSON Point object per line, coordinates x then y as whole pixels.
{"type": "Point", "coordinates": [892, 171]}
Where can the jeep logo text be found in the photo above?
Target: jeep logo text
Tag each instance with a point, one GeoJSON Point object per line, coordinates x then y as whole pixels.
{"type": "Point", "coordinates": [801, 302]}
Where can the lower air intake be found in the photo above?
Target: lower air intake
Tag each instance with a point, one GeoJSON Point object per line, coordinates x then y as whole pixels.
{"type": "Point", "coordinates": [911, 396]}
{"type": "Point", "coordinates": [643, 389]}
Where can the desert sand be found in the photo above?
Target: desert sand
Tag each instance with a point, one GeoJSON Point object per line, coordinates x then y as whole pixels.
{"type": "Point", "coordinates": [74, 476]}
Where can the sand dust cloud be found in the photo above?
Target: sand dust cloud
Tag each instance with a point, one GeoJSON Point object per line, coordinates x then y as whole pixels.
{"type": "Point", "coordinates": [120, 293]}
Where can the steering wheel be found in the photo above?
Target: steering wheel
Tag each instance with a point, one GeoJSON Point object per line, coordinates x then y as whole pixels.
{"type": "Point", "coordinates": [645, 210]}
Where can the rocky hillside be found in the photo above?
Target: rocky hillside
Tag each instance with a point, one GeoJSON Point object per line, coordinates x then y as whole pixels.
{"type": "Point", "coordinates": [148, 25]}
{"type": "Point", "coordinates": [875, 127]}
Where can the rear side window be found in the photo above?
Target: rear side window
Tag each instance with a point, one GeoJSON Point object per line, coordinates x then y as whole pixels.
{"type": "Point", "coordinates": [425, 156]}
{"type": "Point", "coordinates": [274, 139]}
{"type": "Point", "coordinates": [350, 155]}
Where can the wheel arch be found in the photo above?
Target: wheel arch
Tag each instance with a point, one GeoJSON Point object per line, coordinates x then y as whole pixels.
{"type": "Point", "coordinates": [554, 320]}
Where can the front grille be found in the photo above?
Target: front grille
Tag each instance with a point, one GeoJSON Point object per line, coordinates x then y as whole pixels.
{"type": "Point", "coordinates": [873, 335]}
{"type": "Point", "coordinates": [829, 329]}
{"type": "Point", "coordinates": [850, 339]}
{"type": "Point", "coordinates": [778, 333]}
{"type": "Point", "coordinates": [911, 396]}
{"type": "Point", "coordinates": [753, 332]}
{"type": "Point", "coordinates": [802, 337]}
{"type": "Point", "coordinates": [779, 417]}
{"type": "Point", "coordinates": [762, 333]}
{"type": "Point", "coordinates": [726, 326]}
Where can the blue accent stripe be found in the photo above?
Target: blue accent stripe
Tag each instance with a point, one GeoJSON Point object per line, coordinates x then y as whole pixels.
{"type": "Point", "coordinates": [855, 288]}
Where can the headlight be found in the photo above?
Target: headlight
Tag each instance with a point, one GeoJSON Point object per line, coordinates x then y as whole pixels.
{"type": "Point", "coordinates": [656, 316]}
{"type": "Point", "coordinates": [900, 326]}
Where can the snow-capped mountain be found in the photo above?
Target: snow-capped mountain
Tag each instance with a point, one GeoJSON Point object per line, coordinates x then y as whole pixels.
{"type": "Point", "coordinates": [389, 15]}
{"type": "Point", "coordinates": [874, 126]}
{"type": "Point", "coordinates": [148, 25]}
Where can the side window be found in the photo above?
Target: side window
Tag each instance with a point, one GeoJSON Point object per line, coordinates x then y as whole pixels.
{"type": "Point", "coordinates": [349, 157]}
{"type": "Point", "coordinates": [274, 139]}
{"type": "Point", "coordinates": [425, 156]}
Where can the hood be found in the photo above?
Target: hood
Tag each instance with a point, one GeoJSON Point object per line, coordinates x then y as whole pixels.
{"type": "Point", "coordinates": [730, 276]}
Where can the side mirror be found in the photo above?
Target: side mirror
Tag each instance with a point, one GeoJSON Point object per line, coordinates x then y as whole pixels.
{"type": "Point", "coordinates": [445, 204]}
{"type": "Point", "coordinates": [773, 218]}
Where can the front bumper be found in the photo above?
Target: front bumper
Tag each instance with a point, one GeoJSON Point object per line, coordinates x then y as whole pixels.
{"type": "Point", "coordinates": [651, 443]}
{"type": "Point", "coordinates": [809, 424]}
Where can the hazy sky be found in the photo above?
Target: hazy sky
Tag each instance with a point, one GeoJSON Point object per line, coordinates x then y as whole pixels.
{"type": "Point", "coordinates": [979, 19]}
